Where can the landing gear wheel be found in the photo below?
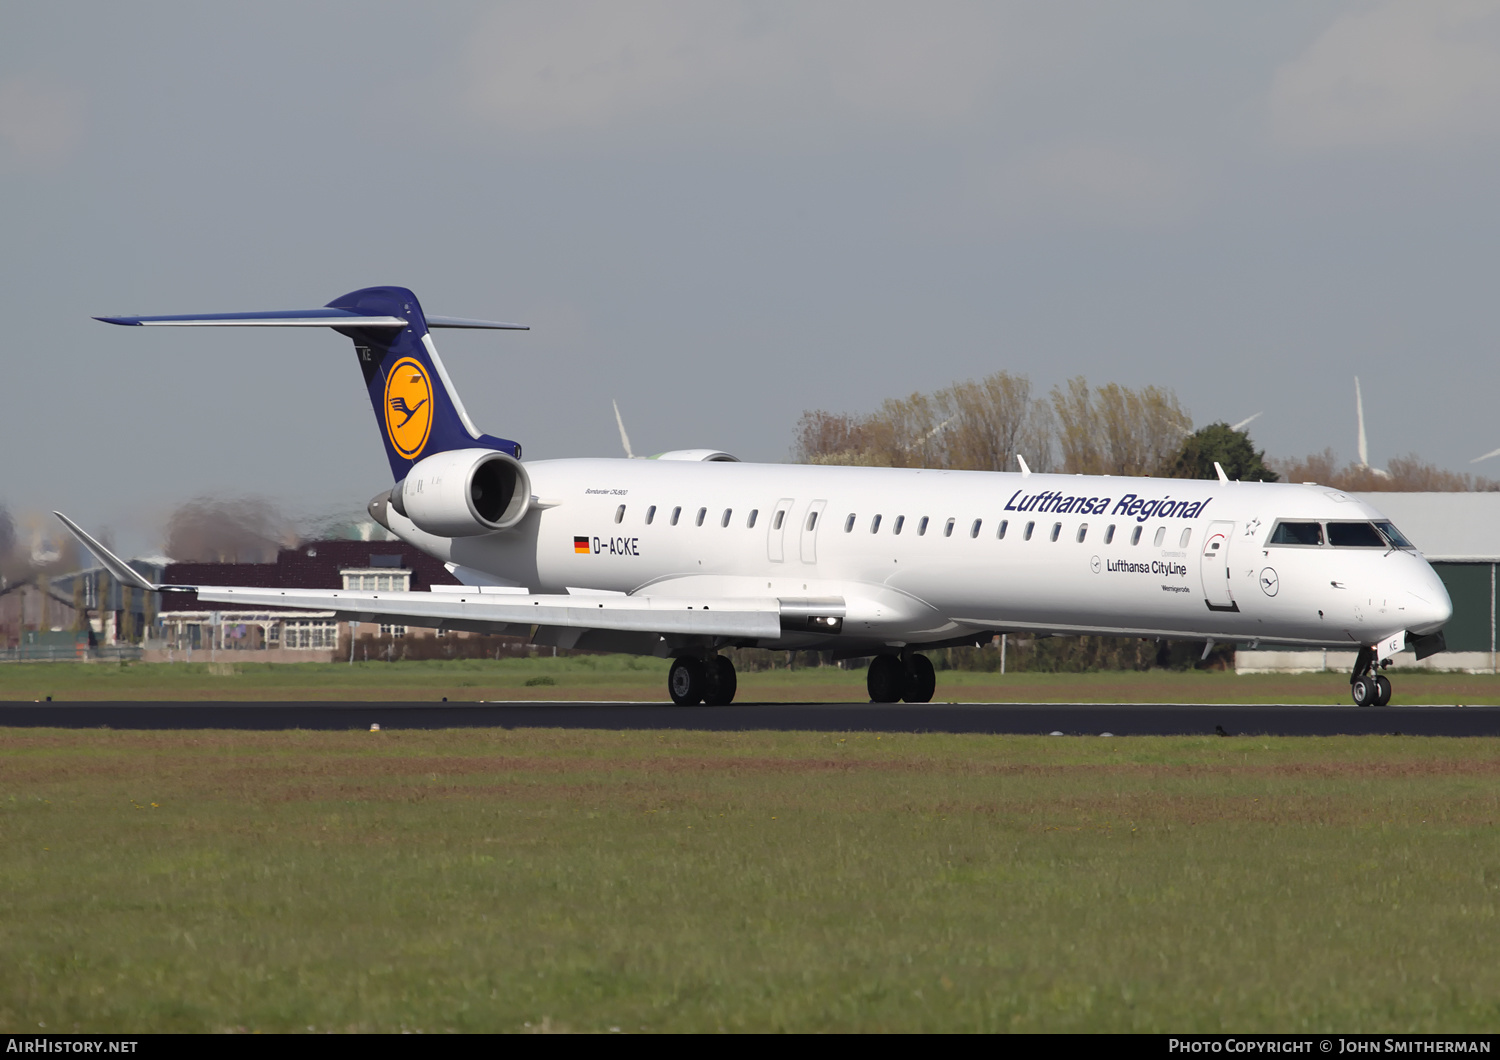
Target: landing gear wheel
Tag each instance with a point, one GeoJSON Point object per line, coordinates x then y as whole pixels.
{"type": "Point", "coordinates": [1382, 690]}
{"type": "Point", "coordinates": [1365, 690]}
{"type": "Point", "coordinates": [722, 682]}
{"type": "Point", "coordinates": [885, 679]}
{"type": "Point", "coordinates": [921, 681]}
{"type": "Point", "coordinates": [687, 681]}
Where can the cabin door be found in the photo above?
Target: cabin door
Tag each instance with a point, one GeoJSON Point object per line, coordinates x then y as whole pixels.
{"type": "Point", "coordinates": [776, 530]}
{"type": "Point", "coordinates": [1214, 566]}
{"type": "Point", "coordinates": [810, 526]}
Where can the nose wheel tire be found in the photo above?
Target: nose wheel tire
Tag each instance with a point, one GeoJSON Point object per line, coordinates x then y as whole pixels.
{"type": "Point", "coordinates": [687, 681]}
{"type": "Point", "coordinates": [1370, 691]}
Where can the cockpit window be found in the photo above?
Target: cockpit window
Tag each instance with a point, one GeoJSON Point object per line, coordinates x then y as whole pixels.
{"type": "Point", "coordinates": [1287, 533]}
{"type": "Point", "coordinates": [1355, 535]}
{"type": "Point", "coordinates": [1394, 536]}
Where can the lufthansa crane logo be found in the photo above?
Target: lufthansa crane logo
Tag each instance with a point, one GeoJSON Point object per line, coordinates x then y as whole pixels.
{"type": "Point", "coordinates": [408, 407]}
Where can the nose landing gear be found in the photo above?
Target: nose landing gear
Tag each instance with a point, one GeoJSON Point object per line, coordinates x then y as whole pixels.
{"type": "Point", "coordinates": [1367, 686]}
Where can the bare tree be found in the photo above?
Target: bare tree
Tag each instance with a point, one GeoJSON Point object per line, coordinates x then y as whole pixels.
{"type": "Point", "coordinates": [234, 530]}
{"type": "Point", "coordinates": [976, 425]}
{"type": "Point", "coordinates": [1118, 431]}
{"type": "Point", "coordinates": [1408, 473]}
{"type": "Point", "coordinates": [990, 421]}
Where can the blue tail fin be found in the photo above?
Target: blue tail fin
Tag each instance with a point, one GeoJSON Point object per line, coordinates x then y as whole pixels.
{"type": "Point", "coordinates": [416, 407]}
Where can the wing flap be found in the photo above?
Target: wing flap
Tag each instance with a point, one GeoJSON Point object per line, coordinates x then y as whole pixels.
{"type": "Point", "coordinates": [751, 618]}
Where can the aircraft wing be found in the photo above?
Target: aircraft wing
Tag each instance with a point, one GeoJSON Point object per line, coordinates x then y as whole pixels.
{"type": "Point", "coordinates": [646, 614]}
{"type": "Point", "coordinates": [477, 610]}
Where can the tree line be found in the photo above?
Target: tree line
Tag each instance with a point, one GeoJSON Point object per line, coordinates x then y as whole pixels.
{"type": "Point", "coordinates": [992, 423]}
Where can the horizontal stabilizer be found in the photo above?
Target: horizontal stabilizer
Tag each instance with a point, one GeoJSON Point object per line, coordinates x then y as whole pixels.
{"type": "Point", "coordinates": [465, 322]}
{"type": "Point", "coordinates": [302, 318]}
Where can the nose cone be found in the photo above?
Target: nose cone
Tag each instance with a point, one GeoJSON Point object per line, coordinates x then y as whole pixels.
{"type": "Point", "coordinates": [1428, 605]}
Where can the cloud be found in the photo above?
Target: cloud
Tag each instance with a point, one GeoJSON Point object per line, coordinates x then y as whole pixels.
{"type": "Point", "coordinates": [1396, 74]}
{"type": "Point", "coordinates": [1080, 183]}
{"type": "Point", "coordinates": [40, 123]}
{"type": "Point", "coordinates": [550, 67]}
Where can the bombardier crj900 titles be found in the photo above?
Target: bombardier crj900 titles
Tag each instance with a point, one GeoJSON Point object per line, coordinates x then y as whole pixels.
{"type": "Point", "coordinates": [694, 551]}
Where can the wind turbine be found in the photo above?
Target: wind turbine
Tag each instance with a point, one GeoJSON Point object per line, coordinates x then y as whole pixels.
{"type": "Point", "coordinates": [1364, 448]}
{"type": "Point", "coordinates": [624, 438]}
{"type": "Point", "coordinates": [1246, 422]}
{"type": "Point", "coordinates": [1486, 456]}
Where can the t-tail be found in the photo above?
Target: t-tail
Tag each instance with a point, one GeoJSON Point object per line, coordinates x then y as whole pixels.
{"type": "Point", "coordinates": [416, 408]}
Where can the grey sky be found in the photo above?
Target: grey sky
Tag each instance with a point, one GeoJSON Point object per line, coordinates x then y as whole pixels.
{"type": "Point", "coordinates": [724, 214]}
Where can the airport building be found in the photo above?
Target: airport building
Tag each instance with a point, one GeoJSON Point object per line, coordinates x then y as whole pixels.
{"type": "Point", "coordinates": [1459, 533]}
{"type": "Point", "coordinates": [192, 630]}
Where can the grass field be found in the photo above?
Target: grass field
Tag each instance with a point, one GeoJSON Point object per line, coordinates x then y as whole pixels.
{"type": "Point", "coordinates": [633, 678]}
{"type": "Point", "coordinates": [676, 881]}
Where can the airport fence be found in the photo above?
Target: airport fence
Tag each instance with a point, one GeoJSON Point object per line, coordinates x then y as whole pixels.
{"type": "Point", "coordinates": [68, 653]}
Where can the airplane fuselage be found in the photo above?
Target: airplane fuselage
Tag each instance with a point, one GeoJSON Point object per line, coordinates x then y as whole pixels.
{"type": "Point", "coordinates": [925, 556]}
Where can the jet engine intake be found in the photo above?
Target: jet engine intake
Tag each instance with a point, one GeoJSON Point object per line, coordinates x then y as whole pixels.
{"type": "Point", "coordinates": [463, 493]}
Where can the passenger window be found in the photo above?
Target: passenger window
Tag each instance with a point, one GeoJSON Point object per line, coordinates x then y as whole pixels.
{"type": "Point", "coordinates": [775, 524]}
{"type": "Point", "coordinates": [1000, 534]}
{"type": "Point", "coordinates": [727, 513]}
{"type": "Point", "coordinates": [1029, 528]}
{"type": "Point", "coordinates": [1297, 534]}
{"type": "Point", "coordinates": [1083, 532]}
{"type": "Point", "coordinates": [974, 530]}
{"type": "Point", "coordinates": [1161, 535]}
{"type": "Point", "coordinates": [701, 513]}
{"type": "Point", "coordinates": [900, 522]}
{"type": "Point", "coordinates": [1056, 530]}
{"type": "Point", "coordinates": [750, 522]}
{"type": "Point", "coordinates": [650, 514]}
{"type": "Point", "coordinates": [676, 512]}
{"type": "Point", "coordinates": [1135, 536]}
{"type": "Point", "coordinates": [948, 528]}
{"type": "Point", "coordinates": [812, 520]}
{"type": "Point", "coordinates": [620, 514]}
{"type": "Point", "coordinates": [849, 524]}
{"type": "Point", "coordinates": [1354, 535]}
{"type": "Point", "coordinates": [875, 525]}
{"type": "Point", "coordinates": [1109, 533]}
{"type": "Point", "coordinates": [1187, 535]}
{"type": "Point", "coordinates": [922, 527]}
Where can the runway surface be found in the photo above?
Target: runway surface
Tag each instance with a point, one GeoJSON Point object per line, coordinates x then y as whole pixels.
{"type": "Point", "coordinates": [1069, 718]}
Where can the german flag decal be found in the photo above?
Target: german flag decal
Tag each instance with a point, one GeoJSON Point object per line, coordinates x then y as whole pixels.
{"type": "Point", "coordinates": [581, 546]}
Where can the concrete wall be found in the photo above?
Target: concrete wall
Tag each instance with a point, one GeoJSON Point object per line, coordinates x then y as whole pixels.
{"type": "Point", "coordinates": [263, 655]}
{"type": "Point", "coordinates": [1305, 662]}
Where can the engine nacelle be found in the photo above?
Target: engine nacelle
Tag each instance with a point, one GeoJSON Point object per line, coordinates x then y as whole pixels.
{"type": "Point", "coordinates": [464, 492]}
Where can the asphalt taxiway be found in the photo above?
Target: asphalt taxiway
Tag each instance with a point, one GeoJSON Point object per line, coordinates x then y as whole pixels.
{"type": "Point", "coordinates": [1151, 719]}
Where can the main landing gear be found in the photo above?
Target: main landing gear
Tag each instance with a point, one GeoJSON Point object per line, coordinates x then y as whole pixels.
{"type": "Point", "coordinates": [693, 680]}
{"type": "Point", "coordinates": [1367, 685]}
{"type": "Point", "coordinates": [891, 679]}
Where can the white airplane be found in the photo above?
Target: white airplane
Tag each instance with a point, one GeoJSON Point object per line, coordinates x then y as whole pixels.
{"type": "Point", "coordinates": [693, 551]}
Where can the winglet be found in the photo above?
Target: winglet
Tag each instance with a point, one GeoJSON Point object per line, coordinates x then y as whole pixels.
{"type": "Point", "coordinates": [1025, 471]}
{"type": "Point", "coordinates": [122, 571]}
{"type": "Point", "coordinates": [1222, 477]}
